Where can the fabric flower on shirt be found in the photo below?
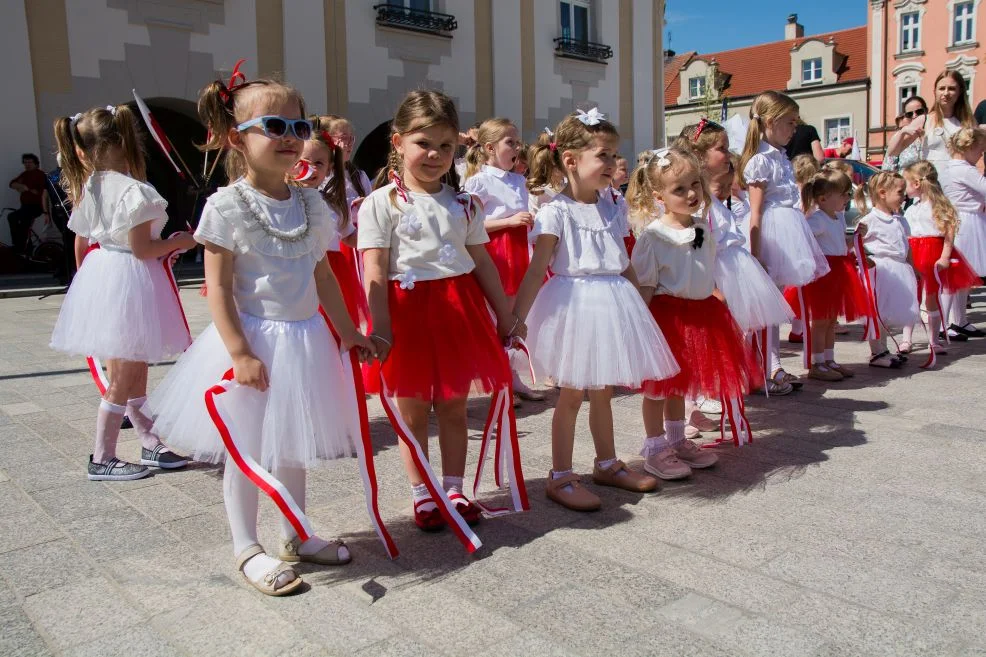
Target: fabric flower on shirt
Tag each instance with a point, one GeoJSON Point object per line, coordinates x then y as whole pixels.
{"type": "Point", "coordinates": [409, 225]}
{"type": "Point", "coordinates": [407, 280]}
{"type": "Point", "coordinates": [447, 254]}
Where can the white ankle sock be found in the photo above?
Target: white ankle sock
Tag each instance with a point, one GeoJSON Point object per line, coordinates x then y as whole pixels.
{"type": "Point", "coordinates": [909, 333]}
{"type": "Point", "coordinates": [452, 484]}
{"type": "Point", "coordinates": [419, 493]}
{"type": "Point", "coordinates": [260, 565]}
{"type": "Point", "coordinates": [829, 355]}
{"type": "Point", "coordinates": [797, 326]}
{"type": "Point", "coordinates": [817, 359]}
{"type": "Point", "coordinates": [654, 445]}
{"type": "Point", "coordinates": [142, 423]}
{"type": "Point", "coordinates": [774, 348]}
{"type": "Point", "coordinates": [563, 473]}
{"type": "Point", "coordinates": [934, 325]}
{"type": "Point", "coordinates": [675, 432]}
{"type": "Point", "coordinates": [108, 420]}
{"type": "Point", "coordinates": [316, 543]}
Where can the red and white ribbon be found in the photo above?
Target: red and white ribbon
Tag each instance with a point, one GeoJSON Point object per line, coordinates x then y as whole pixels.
{"type": "Point", "coordinates": [507, 454]}
{"type": "Point", "coordinates": [460, 528]}
{"type": "Point", "coordinates": [872, 328]}
{"type": "Point", "coordinates": [735, 410]}
{"type": "Point", "coordinates": [931, 330]}
{"type": "Point", "coordinates": [260, 477]}
{"type": "Point", "coordinates": [806, 322]}
{"type": "Point", "coordinates": [518, 343]}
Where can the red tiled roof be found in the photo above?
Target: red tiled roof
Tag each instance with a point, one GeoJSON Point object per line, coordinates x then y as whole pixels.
{"type": "Point", "coordinates": [756, 69]}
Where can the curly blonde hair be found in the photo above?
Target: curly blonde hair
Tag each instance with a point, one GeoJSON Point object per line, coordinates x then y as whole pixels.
{"type": "Point", "coordinates": [652, 176]}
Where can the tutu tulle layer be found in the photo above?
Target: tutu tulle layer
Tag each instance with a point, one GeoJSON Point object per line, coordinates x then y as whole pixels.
{"type": "Point", "coordinates": [511, 254]}
{"type": "Point", "coordinates": [971, 240]}
{"type": "Point", "coordinates": [788, 250]}
{"type": "Point", "coordinates": [896, 290]}
{"type": "Point", "coordinates": [753, 299]}
{"type": "Point", "coordinates": [119, 306]}
{"type": "Point", "coordinates": [925, 252]}
{"type": "Point", "coordinates": [445, 343]}
{"type": "Point", "coordinates": [838, 293]}
{"type": "Point", "coordinates": [588, 332]}
{"type": "Point", "coordinates": [709, 347]}
{"type": "Point", "coordinates": [300, 419]}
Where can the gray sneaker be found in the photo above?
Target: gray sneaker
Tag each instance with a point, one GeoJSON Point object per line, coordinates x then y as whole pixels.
{"type": "Point", "coordinates": [162, 457]}
{"type": "Point", "coordinates": [116, 470]}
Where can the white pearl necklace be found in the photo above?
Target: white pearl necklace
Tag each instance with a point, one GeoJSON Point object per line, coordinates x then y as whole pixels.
{"type": "Point", "coordinates": [294, 235]}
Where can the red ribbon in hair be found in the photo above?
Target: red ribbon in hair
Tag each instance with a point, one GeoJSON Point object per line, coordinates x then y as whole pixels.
{"type": "Point", "coordinates": [236, 80]}
{"type": "Point", "coordinates": [553, 146]}
{"type": "Point", "coordinates": [699, 129]}
{"type": "Point", "coordinates": [327, 138]}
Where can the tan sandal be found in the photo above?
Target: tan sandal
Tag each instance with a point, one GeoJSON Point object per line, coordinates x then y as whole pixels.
{"type": "Point", "coordinates": [619, 475]}
{"type": "Point", "coordinates": [576, 499]}
{"type": "Point", "coordinates": [327, 556]}
{"type": "Point", "coordinates": [269, 584]}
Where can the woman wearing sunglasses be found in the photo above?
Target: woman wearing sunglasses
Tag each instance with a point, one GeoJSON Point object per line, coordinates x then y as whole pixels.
{"type": "Point", "coordinates": [904, 148]}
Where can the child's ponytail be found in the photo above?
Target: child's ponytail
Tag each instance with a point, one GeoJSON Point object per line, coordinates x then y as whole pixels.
{"type": "Point", "coordinates": [475, 159]}
{"type": "Point", "coordinates": [926, 176]}
{"type": "Point", "coordinates": [125, 122]}
{"type": "Point", "coordinates": [74, 171]}
{"type": "Point", "coordinates": [768, 107]}
{"type": "Point", "coordinates": [216, 111]}
{"type": "Point", "coordinates": [544, 161]}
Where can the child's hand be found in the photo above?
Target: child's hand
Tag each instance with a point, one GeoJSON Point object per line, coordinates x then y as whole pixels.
{"type": "Point", "coordinates": [250, 371]}
{"type": "Point", "coordinates": [870, 264]}
{"type": "Point", "coordinates": [861, 229]}
{"type": "Point", "coordinates": [522, 219]}
{"type": "Point", "coordinates": [382, 344]}
{"type": "Point", "coordinates": [942, 263]}
{"type": "Point", "coordinates": [365, 348]}
{"type": "Point", "coordinates": [717, 293]}
{"type": "Point", "coordinates": [510, 325]}
{"type": "Point", "coordinates": [183, 240]}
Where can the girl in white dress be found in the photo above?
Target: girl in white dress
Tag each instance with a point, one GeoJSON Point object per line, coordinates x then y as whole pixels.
{"type": "Point", "coordinates": [267, 273]}
{"type": "Point", "coordinates": [588, 328]}
{"type": "Point", "coordinates": [121, 307]}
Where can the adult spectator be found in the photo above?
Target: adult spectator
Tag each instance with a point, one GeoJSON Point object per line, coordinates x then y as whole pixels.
{"type": "Point", "coordinates": [805, 142]}
{"type": "Point", "coordinates": [31, 185]}
{"type": "Point", "coordinates": [904, 147]}
{"type": "Point", "coordinates": [58, 207]}
{"type": "Point", "coordinates": [841, 151]}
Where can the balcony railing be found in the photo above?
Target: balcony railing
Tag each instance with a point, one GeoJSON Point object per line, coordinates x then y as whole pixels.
{"type": "Point", "coordinates": [593, 52]}
{"type": "Point", "coordinates": [417, 20]}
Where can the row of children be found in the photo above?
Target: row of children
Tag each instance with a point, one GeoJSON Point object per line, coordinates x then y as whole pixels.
{"type": "Point", "coordinates": [443, 280]}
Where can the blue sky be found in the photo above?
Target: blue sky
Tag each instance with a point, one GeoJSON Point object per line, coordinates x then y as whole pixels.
{"type": "Point", "coordinates": [714, 25]}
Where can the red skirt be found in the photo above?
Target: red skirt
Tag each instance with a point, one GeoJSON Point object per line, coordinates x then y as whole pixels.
{"type": "Point", "coordinates": [629, 242]}
{"type": "Point", "coordinates": [343, 264]}
{"type": "Point", "coordinates": [714, 358]}
{"type": "Point", "coordinates": [925, 252]}
{"type": "Point", "coordinates": [445, 344]}
{"type": "Point", "coordinates": [510, 253]}
{"type": "Point", "coordinates": [838, 293]}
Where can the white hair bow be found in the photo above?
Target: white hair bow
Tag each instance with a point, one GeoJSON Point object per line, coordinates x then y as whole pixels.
{"type": "Point", "coordinates": [75, 118]}
{"type": "Point", "coordinates": [548, 131]}
{"type": "Point", "coordinates": [662, 156]}
{"type": "Point", "coordinates": [592, 117]}
{"type": "Point", "coordinates": [111, 109]}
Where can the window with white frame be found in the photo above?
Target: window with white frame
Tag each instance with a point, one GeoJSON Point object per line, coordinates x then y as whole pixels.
{"type": "Point", "coordinates": [962, 22]}
{"type": "Point", "coordinates": [811, 70]}
{"type": "Point", "coordinates": [906, 92]}
{"type": "Point", "coordinates": [837, 129]}
{"type": "Point", "coordinates": [910, 31]}
{"type": "Point", "coordinates": [696, 87]}
{"type": "Point", "coordinates": [575, 19]}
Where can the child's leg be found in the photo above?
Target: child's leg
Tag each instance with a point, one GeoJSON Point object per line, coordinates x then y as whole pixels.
{"type": "Point", "coordinates": [797, 326]}
{"type": "Point", "coordinates": [111, 410]}
{"type": "Point", "coordinates": [820, 329]}
{"type": "Point", "coordinates": [136, 399]}
{"type": "Point", "coordinates": [601, 423]}
{"type": "Point", "coordinates": [453, 436]}
{"type": "Point", "coordinates": [563, 429]}
{"type": "Point", "coordinates": [660, 457]}
{"type": "Point", "coordinates": [774, 350]}
{"type": "Point", "coordinates": [415, 415]}
{"type": "Point", "coordinates": [674, 421]}
{"type": "Point", "coordinates": [959, 313]}
{"type": "Point", "coordinates": [295, 479]}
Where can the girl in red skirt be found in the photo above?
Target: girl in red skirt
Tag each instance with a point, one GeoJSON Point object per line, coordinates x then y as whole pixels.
{"type": "Point", "coordinates": [321, 155]}
{"type": "Point", "coordinates": [932, 223]}
{"type": "Point", "coordinates": [503, 193]}
{"type": "Point", "coordinates": [675, 263]}
{"type": "Point", "coordinates": [839, 293]}
{"type": "Point", "coordinates": [429, 278]}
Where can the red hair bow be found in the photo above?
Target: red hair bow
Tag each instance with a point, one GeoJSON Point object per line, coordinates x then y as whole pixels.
{"type": "Point", "coordinates": [236, 80]}
{"type": "Point", "coordinates": [700, 128]}
{"type": "Point", "coordinates": [327, 138]}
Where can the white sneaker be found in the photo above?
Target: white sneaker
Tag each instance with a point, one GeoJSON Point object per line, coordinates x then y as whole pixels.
{"type": "Point", "coordinates": [711, 406]}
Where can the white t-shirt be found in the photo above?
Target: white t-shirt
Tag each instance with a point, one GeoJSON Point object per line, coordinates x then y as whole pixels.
{"type": "Point", "coordinates": [770, 165]}
{"type": "Point", "coordinates": [666, 259]}
{"type": "Point", "coordinates": [590, 236]}
{"type": "Point", "coordinates": [962, 183]}
{"type": "Point", "coordinates": [935, 143]}
{"type": "Point", "coordinates": [273, 278]}
{"type": "Point", "coordinates": [427, 235]}
{"type": "Point", "coordinates": [919, 220]}
{"type": "Point", "coordinates": [502, 193]}
{"type": "Point", "coordinates": [536, 201]}
{"type": "Point", "coordinates": [829, 232]}
{"type": "Point", "coordinates": [113, 203]}
{"type": "Point", "coordinates": [724, 227]}
{"type": "Point", "coordinates": [885, 236]}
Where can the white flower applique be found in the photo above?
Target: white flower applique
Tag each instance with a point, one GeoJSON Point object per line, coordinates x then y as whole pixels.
{"type": "Point", "coordinates": [447, 254]}
{"type": "Point", "coordinates": [409, 225]}
{"type": "Point", "coordinates": [407, 280]}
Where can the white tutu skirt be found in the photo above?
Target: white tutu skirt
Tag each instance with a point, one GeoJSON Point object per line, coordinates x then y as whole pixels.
{"type": "Point", "coordinates": [302, 417]}
{"type": "Point", "coordinates": [971, 240]}
{"type": "Point", "coordinates": [588, 332]}
{"type": "Point", "coordinates": [120, 307]}
{"type": "Point", "coordinates": [788, 250]}
{"type": "Point", "coordinates": [896, 290]}
{"type": "Point", "coordinates": [753, 299]}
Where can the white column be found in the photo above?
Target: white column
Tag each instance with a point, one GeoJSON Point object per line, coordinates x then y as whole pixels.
{"type": "Point", "coordinates": [643, 74]}
{"type": "Point", "coordinates": [877, 72]}
{"type": "Point", "coordinates": [507, 87]}
{"type": "Point", "coordinates": [304, 51]}
{"type": "Point", "coordinates": [19, 128]}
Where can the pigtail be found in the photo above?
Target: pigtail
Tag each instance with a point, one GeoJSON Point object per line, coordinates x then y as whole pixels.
{"type": "Point", "coordinates": [335, 193]}
{"type": "Point", "coordinates": [475, 159]}
{"type": "Point", "coordinates": [640, 196]}
{"type": "Point", "coordinates": [215, 109]}
{"type": "Point", "coordinates": [860, 198]}
{"type": "Point", "coordinates": [926, 175]}
{"type": "Point", "coordinates": [74, 171]}
{"type": "Point", "coordinates": [808, 194]}
{"type": "Point", "coordinates": [544, 162]}
{"type": "Point", "coordinates": [353, 172]}
{"type": "Point", "coordinates": [751, 147]}
{"type": "Point", "coordinates": [125, 122]}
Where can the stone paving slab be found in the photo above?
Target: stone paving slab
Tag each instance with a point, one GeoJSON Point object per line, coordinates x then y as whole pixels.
{"type": "Point", "coordinates": [852, 526]}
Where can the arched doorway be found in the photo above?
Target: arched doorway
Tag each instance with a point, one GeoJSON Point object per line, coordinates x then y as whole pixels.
{"type": "Point", "coordinates": [371, 156]}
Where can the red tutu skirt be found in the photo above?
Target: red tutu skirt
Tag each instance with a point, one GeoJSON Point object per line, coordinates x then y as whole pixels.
{"type": "Point", "coordinates": [343, 264]}
{"type": "Point", "coordinates": [629, 241]}
{"type": "Point", "coordinates": [709, 347]}
{"type": "Point", "coordinates": [445, 344]}
{"type": "Point", "coordinates": [838, 293]}
{"type": "Point", "coordinates": [510, 253]}
{"type": "Point", "coordinates": [925, 252]}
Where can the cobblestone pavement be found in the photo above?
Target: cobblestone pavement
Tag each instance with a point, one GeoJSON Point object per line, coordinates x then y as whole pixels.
{"type": "Point", "coordinates": [853, 526]}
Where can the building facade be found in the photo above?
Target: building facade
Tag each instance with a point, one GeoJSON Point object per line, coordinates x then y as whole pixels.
{"type": "Point", "coordinates": [825, 73]}
{"type": "Point", "coordinates": [531, 61]}
{"type": "Point", "coordinates": [910, 42]}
